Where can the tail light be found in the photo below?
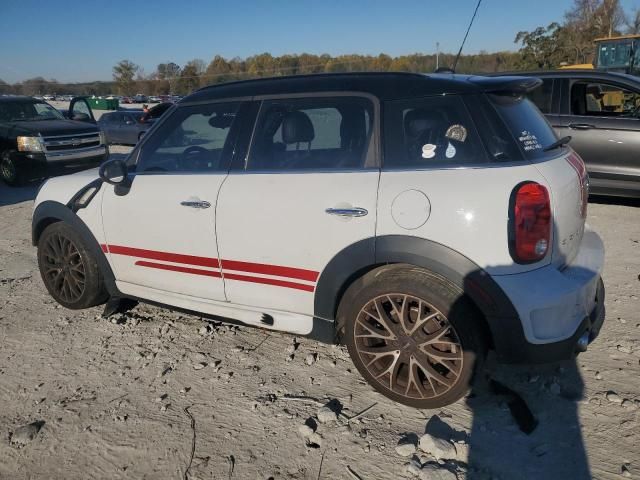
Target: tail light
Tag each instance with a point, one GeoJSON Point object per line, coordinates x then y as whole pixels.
{"type": "Point", "coordinates": [583, 180]}
{"type": "Point", "coordinates": [530, 222]}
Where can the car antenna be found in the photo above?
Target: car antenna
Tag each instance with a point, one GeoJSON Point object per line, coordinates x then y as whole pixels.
{"type": "Point", "coordinates": [455, 63]}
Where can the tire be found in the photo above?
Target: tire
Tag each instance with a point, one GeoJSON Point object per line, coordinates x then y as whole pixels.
{"type": "Point", "coordinates": [10, 172]}
{"type": "Point", "coordinates": [68, 268]}
{"type": "Point", "coordinates": [404, 360]}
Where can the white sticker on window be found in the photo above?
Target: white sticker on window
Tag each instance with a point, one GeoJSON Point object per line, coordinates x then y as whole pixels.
{"type": "Point", "coordinates": [529, 141]}
{"type": "Point", "coordinates": [428, 150]}
{"type": "Point", "coordinates": [451, 151]}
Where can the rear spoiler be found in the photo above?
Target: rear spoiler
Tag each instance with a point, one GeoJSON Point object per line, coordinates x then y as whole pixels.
{"type": "Point", "coordinates": [510, 84]}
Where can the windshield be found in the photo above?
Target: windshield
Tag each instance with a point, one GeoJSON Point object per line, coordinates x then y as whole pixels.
{"type": "Point", "coordinates": [614, 54]}
{"type": "Point", "coordinates": [25, 111]}
{"type": "Point", "coordinates": [527, 125]}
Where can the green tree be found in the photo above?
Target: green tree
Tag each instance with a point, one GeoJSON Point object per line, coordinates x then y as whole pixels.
{"type": "Point", "coordinates": [124, 73]}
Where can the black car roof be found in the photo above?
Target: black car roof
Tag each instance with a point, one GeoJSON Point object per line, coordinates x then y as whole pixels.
{"type": "Point", "coordinates": [20, 98]}
{"type": "Point", "coordinates": [384, 85]}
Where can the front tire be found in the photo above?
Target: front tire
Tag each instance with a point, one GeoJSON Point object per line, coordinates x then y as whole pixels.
{"type": "Point", "coordinates": [412, 335]}
{"type": "Point", "coordinates": [68, 268]}
{"type": "Point", "coordinates": [10, 172]}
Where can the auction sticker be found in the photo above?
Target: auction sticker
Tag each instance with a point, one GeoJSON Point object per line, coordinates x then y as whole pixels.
{"type": "Point", "coordinates": [529, 141]}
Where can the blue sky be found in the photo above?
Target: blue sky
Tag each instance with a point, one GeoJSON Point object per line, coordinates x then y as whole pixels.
{"type": "Point", "coordinates": [80, 40]}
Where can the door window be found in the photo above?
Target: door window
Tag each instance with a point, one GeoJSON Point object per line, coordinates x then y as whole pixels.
{"type": "Point", "coordinates": [313, 134]}
{"type": "Point", "coordinates": [542, 95]}
{"type": "Point", "coordinates": [193, 139]}
{"type": "Point", "coordinates": [81, 107]}
{"type": "Point", "coordinates": [603, 100]}
{"type": "Point", "coordinates": [430, 132]}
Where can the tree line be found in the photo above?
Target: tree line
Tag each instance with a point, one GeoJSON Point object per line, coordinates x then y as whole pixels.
{"type": "Point", "coordinates": [567, 42]}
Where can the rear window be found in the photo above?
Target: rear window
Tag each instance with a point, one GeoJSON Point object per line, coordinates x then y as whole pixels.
{"type": "Point", "coordinates": [528, 126]}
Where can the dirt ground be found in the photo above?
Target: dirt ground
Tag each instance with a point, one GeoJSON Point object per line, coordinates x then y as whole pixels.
{"type": "Point", "coordinates": [136, 396]}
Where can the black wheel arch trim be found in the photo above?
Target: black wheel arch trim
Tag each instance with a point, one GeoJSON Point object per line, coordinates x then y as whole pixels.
{"type": "Point", "coordinates": [49, 212]}
{"type": "Point", "coordinates": [503, 321]}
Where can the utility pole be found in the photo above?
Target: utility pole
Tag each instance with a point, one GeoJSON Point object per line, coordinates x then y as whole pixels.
{"type": "Point", "coordinates": [437, 55]}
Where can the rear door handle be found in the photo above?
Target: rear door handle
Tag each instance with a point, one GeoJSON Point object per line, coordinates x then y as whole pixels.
{"type": "Point", "coordinates": [581, 126]}
{"type": "Point", "coordinates": [195, 204]}
{"type": "Point", "coordinates": [347, 212]}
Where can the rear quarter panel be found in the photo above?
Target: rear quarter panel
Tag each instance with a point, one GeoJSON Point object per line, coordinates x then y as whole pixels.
{"type": "Point", "coordinates": [469, 210]}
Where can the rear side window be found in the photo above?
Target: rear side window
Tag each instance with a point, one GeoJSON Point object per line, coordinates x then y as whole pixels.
{"type": "Point", "coordinates": [429, 133]}
{"type": "Point", "coordinates": [528, 126]}
{"type": "Point", "coordinates": [313, 133]}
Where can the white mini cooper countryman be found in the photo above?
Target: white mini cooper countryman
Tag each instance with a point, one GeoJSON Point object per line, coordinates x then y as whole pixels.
{"type": "Point", "coordinates": [422, 220]}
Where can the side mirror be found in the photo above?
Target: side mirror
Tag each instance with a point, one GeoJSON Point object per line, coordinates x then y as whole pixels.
{"type": "Point", "coordinates": [114, 172]}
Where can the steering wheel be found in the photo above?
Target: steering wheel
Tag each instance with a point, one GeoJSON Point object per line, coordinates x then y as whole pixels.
{"type": "Point", "coordinates": [193, 158]}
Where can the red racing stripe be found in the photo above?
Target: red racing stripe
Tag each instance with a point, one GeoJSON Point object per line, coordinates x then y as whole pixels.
{"type": "Point", "coordinates": [176, 268]}
{"type": "Point", "coordinates": [276, 270]}
{"type": "Point", "coordinates": [227, 276]}
{"type": "Point", "coordinates": [269, 281]}
{"type": "Point", "coordinates": [261, 268]}
{"type": "Point", "coordinates": [164, 256]}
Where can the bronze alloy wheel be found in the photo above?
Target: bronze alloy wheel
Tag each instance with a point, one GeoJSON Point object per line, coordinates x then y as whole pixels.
{"type": "Point", "coordinates": [63, 268]}
{"type": "Point", "coordinates": [408, 346]}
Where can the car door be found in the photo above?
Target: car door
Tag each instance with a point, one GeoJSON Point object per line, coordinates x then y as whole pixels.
{"type": "Point", "coordinates": [80, 110]}
{"type": "Point", "coordinates": [129, 129]}
{"type": "Point", "coordinates": [160, 232]}
{"type": "Point", "coordinates": [306, 190]}
{"type": "Point", "coordinates": [602, 119]}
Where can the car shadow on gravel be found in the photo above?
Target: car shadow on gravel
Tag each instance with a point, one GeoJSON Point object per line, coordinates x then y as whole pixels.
{"type": "Point", "coordinates": [12, 195]}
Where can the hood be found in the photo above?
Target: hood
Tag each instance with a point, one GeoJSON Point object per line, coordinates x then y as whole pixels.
{"type": "Point", "coordinates": [49, 127]}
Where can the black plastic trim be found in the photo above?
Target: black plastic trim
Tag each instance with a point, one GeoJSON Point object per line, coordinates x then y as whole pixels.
{"type": "Point", "coordinates": [501, 316]}
{"type": "Point", "coordinates": [50, 211]}
{"type": "Point", "coordinates": [73, 205]}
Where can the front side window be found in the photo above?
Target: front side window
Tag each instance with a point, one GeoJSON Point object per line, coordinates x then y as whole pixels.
{"type": "Point", "coordinates": [614, 54]}
{"type": "Point", "coordinates": [603, 100]}
{"type": "Point", "coordinates": [313, 133]}
{"type": "Point", "coordinates": [193, 139]}
{"type": "Point", "coordinates": [430, 132]}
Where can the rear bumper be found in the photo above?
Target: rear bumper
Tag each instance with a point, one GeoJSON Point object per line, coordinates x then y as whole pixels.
{"type": "Point", "coordinates": [560, 311]}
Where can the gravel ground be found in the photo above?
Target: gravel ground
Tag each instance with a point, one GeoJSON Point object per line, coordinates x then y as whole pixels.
{"type": "Point", "coordinates": [154, 394]}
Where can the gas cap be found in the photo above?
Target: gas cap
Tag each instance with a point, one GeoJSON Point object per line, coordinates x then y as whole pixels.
{"type": "Point", "coordinates": [411, 209]}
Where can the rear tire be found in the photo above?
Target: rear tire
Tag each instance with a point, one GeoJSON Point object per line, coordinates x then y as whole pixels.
{"type": "Point", "coordinates": [10, 172]}
{"type": "Point", "coordinates": [68, 268]}
{"type": "Point", "coordinates": [412, 335]}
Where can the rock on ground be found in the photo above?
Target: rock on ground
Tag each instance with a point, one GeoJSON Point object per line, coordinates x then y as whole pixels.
{"type": "Point", "coordinates": [441, 449]}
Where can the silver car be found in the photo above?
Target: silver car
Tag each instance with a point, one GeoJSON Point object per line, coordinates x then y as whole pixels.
{"type": "Point", "coordinates": [123, 127]}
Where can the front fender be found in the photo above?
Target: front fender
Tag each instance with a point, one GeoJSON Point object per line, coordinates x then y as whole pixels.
{"type": "Point", "coordinates": [48, 212]}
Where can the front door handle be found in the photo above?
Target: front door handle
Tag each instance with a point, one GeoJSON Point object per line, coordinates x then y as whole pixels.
{"type": "Point", "coordinates": [347, 212]}
{"type": "Point", "coordinates": [581, 126]}
{"type": "Point", "coordinates": [195, 204]}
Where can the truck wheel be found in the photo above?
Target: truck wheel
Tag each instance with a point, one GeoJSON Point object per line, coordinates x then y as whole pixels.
{"type": "Point", "coordinates": [9, 171]}
{"type": "Point", "coordinates": [68, 268]}
{"type": "Point", "coordinates": [412, 335]}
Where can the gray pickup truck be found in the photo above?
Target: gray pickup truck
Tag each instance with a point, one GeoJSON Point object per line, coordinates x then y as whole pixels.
{"type": "Point", "coordinates": [36, 139]}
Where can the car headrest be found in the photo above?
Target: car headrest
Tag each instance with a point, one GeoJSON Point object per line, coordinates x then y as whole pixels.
{"type": "Point", "coordinates": [297, 127]}
{"type": "Point", "coordinates": [418, 121]}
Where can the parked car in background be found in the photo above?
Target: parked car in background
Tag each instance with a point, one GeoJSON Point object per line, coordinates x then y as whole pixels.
{"type": "Point", "coordinates": [127, 126]}
{"type": "Point", "coordinates": [154, 99]}
{"type": "Point", "coordinates": [140, 98]}
{"type": "Point", "coordinates": [126, 100]}
{"type": "Point", "coordinates": [36, 139]}
{"type": "Point", "coordinates": [601, 113]}
{"type": "Point", "coordinates": [274, 202]}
